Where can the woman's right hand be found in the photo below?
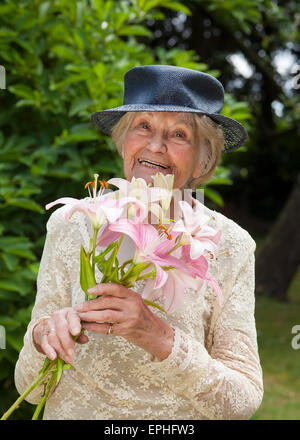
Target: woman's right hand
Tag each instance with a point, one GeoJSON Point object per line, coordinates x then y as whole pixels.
{"type": "Point", "coordinates": [53, 336]}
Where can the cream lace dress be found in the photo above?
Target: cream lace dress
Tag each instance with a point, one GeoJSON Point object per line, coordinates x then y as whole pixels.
{"type": "Point", "coordinates": [213, 371]}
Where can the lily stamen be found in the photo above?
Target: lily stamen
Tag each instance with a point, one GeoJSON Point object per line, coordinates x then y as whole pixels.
{"type": "Point", "coordinates": [164, 230]}
{"type": "Point", "coordinates": [95, 185]}
{"type": "Point", "coordinates": [87, 186]}
{"type": "Point", "coordinates": [104, 185]}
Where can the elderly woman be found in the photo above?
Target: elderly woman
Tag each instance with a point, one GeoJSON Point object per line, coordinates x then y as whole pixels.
{"type": "Point", "coordinates": [134, 361]}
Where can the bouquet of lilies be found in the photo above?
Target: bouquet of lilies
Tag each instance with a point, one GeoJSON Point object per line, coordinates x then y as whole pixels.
{"type": "Point", "coordinates": [171, 256]}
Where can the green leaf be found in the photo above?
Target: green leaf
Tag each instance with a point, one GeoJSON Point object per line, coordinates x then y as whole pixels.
{"type": "Point", "coordinates": [7, 321]}
{"type": "Point", "coordinates": [177, 7]}
{"type": "Point", "coordinates": [71, 79]}
{"type": "Point", "coordinates": [149, 303]}
{"type": "Point", "coordinates": [214, 196]}
{"type": "Point", "coordinates": [15, 339]}
{"type": "Point", "coordinates": [150, 4]}
{"type": "Point", "coordinates": [133, 273]}
{"type": "Point", "coordinates": [241, 116]}
{"type": "Point", "coordinates": [34, 267]}
{"type": "Point", "coordinates": [43, 9]}
{"type": "Point", "coordinates": [9, 285]}
{"type": "Point", "coordinates": [87, 277]}
{"type": "Point", "coordinates": [63, 51]}
{"type": "Point", "coordinates": [67, 366]}
{"type": "Point", "coordinates": [10, 260]}
{"type": "Point", "coordinates": [22, 91]}
{"type": "Point", "coordinates": [220, 181]}
{"type": "Point", "coordinates": [26, 204]}
{"type": "Point", "coordinates": [83, 134]}
{"type": "Point", "coordinates": [19, 246]}
{"type": "Point", "coordinates": [27, 191]}
{"type": "Point", "coordinates": [80, 104]}
{"type": "Point", "coordinates": [135, 30]}
{"type": "Point", "coordinates": [101, 256]}
{"type": "Point", "coordinates": [114, 275]}
{"type": "Point", "coordinates": [138, 268]}
{"type": "Point", "coordinates": [60, 365]}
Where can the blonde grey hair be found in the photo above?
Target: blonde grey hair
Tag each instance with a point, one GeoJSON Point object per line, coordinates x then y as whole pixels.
{"type": "Point", "coordinates": [208, 134]}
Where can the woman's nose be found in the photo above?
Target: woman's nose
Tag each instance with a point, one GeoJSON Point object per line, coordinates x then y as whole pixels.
{"type": "Point", "coordinates": [157, 143]}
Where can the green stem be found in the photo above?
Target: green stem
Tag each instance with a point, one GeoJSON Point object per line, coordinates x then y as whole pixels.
{"type": "Point", "coordinates": [108, 271]}
{"type": "Point", "coordinates": [35, 384]}
{"type": "Point", "coordinates": [45, 396]}
{"type": "Point", "coordinates": [94, 248]}
{"type": "Point", "coordinates": [147, 275]}
{"type": "Point", "coordinates": [124, 265]}
{"type": "Point", "coordinates": [51, 381]}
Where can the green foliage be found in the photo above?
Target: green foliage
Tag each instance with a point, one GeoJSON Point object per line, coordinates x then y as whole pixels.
{"type": "Point", "coordinates": [63, 61]}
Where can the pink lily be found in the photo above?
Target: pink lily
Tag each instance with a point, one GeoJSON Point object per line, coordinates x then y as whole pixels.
{"type": "Point", "coordinates": [149, 246]}
{"type": "Point", "coordinates": [199, 266]}
{"type": "Point", "coordinates": [196, 232]}
{"type": "Point", "coordinates": [193, 277]}
{"type": "Point", "coordinates": [172, 290]}
{"type": "Point", "coordinates": [98, 210]}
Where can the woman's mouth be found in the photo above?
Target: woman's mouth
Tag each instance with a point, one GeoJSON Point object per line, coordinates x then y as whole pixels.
{"type": "Point", "coordinates": [150, 164]}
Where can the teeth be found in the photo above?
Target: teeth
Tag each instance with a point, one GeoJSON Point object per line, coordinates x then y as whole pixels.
{"type": "Point", "coordinates": [151, 164]}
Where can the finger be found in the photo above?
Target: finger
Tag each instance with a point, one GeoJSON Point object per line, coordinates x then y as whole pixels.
{"type": "Point", "coordinates": [64, 337]}
{"type": "Point", "coordinates": [54, 342]}
{"type": "Point", "coordinates": [73, 322]}
{"type": "Point", "coordinates": [98, 328]}
{"type": "Point", "coordinates": [107, 289]}
{"type": "Point", "coordinates": [113, 289]}
{"type": "Point", "coordinates": [47, 349]}
{"type": "Point", "coordinates": [66, 341]}
{"type": "Point", "coordinates": [102, 316]}
{"type": "Point", "coordinates": [105, 302]}
{"type": "Point", "coordinates": [110, 302]}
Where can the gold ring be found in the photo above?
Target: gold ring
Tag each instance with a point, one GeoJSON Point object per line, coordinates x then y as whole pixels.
{"type": "Point", "coordinates": [110, 330]}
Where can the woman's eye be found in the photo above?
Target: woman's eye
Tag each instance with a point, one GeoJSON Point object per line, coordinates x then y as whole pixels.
{"type": "Point", "coordinates": [144, 125]}
{"type": "Point", "coordinates": [180, 134]}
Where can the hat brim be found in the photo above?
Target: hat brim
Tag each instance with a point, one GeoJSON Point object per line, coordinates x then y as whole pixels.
{"type": "Point", "coordinates": [235, 134]}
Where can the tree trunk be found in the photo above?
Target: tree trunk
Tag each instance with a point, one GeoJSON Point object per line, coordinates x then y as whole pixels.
{"type": "Point", "coordinates": [279, 258]}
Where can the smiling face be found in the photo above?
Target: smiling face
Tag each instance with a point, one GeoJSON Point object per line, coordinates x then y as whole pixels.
{"type": "Point", "coordinates": [161, 142]}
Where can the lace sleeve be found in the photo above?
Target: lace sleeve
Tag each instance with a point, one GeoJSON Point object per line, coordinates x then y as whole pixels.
{"type": "Point", "coordinates": [52, 294]}
{"type": "Point", "coordinates": [227, 382]}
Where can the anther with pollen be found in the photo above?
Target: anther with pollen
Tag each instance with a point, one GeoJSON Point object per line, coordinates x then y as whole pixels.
{"type": "Point", "coordinates": [103, 185]}
{"type": "Point", "coordinates": [164, 230]}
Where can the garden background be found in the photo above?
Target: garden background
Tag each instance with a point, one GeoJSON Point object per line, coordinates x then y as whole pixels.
{"type": "Point", "coordinates": [62, 60]}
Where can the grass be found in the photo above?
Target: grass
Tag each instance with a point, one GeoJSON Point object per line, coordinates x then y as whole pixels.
{"type": "Point", "coordinates": [280, 362]}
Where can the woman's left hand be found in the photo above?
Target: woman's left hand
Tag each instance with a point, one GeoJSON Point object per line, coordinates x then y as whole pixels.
{"type": "Point", "coordinates": [131, 318]}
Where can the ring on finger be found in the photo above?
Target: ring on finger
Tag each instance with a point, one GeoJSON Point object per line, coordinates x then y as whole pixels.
{"type": "Point", "coordinates": [110, 329]}
{"type": "Point", "coordinates": [51, 330]}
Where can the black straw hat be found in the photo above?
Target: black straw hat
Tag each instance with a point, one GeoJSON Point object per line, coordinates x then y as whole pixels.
{"type": "Point", "coordinates": [160, 88]}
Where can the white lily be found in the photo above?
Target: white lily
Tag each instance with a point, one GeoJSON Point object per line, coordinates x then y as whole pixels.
{"type": "Point", "coordinates": [165, 182]}
{"type": "Point", "coordinates": [147, 195]}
